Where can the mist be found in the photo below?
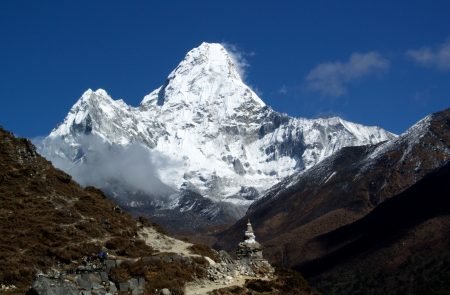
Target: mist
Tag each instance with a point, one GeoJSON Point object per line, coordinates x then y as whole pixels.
{"type": "Point", "coordinates": [132, 168]}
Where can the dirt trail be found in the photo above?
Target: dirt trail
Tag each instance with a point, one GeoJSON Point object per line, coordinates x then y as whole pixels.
{"type": "Point", "coordinates": [163, 243]}
{"type": "Point", "coordinates": [204, 286]}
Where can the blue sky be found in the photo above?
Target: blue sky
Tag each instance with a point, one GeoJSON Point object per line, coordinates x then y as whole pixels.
{"type": "Point", "coordinates": [383, 63]}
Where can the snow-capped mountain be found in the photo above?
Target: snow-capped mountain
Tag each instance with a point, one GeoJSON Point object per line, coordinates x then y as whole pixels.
{"type": "Point", "coordinates": [202, 131]}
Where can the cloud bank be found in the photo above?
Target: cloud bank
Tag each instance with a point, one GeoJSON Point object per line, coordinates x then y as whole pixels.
{"type": "Point", "coordinates": [132, 168]}
{"type": "Point", "coordinates": [332, 78]}
{"type": "Point", "coordinates": [433, 57]}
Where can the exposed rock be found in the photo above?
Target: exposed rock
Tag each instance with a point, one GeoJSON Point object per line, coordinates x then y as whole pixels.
{"type": "Point", "coordinates": [110, 264]}
{"type": "Point", "coordinates": [48, 286]}
{"type": "Point", "coordinates": [91, 278]}
{"type": "Point", "coordinates": [83, 283]}
{"type": "Point", "coordinates": [104, 276]}
{"type": "Point", "coordinates": [238, 168]}
{"type": "Point", "coordinates": [225, 257]}
{"type": "Point", "coordinates": [248, 193]}
{"type": "Point", "coordinates": [112, 288]}
{"type": "Point", "coordinates": [124, 287]}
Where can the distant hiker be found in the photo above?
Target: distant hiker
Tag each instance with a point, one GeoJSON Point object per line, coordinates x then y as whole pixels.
{"type": "Point", "coordinates": [102, 255]}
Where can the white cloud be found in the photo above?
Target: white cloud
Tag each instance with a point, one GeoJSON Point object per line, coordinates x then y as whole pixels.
{"type": "Point", "coordinates": [438, 56]}
{"type": "Point", "coordinates": [134, 168]}
{"type": "Point", "coordinates": [257, 90]}
{"type": "Point", "coordinates": [283, 90]}
{"type": "Point", "coordinates": [239, 58]}
{"type": "Point", "coordinates": [332, 78]}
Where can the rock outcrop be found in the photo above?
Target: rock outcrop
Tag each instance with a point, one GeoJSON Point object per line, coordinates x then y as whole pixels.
{"type": "Point", "coordinates": [91, 277]}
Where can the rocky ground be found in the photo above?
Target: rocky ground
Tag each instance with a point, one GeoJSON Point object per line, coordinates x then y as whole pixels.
{"type": "Point", "coordinates": [201, 287]}
{"type": "Point", "coordinates": [222, 273]}
{"type": "Point", "coordinates": [99, 276]}
{"type": "Point", "coordinates": [163, 243]}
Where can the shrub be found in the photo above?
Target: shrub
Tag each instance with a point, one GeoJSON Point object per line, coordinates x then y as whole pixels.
{"type": "Point", "coordinates": [260, 285]}
{"type": "Point", "coordinates": [129, 247]}
{"type": "Point", "coordinates": [160, 272]}
{"type": "Point", "coordinates": [203, 250]}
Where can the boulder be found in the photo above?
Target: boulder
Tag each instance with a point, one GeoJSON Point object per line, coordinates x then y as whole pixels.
{"type": "Point", "coordinates": [46, 286]}
{"type": "Point", "coordinates": [133, 283]}
{"type": "Point", "coordinates": [124, 287]}
{"type": "Point", "coordinates": [112, 288]}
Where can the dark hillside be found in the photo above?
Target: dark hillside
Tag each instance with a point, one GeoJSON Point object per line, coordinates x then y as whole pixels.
{"type": "Point", "coordinates": [403, 243]}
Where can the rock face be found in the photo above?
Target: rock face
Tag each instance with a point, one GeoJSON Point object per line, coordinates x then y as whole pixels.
{"type": "Point", "coordinates": [47, 286]}
{"type": "Point", "coordinates": [204, 132]}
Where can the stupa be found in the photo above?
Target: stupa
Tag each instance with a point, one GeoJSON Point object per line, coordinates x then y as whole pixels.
{"type": "Point", "coordinates": [249, 249]}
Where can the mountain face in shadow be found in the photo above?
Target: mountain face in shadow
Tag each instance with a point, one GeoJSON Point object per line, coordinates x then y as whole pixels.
{"type": "Point", "coordinates": [408, 236]}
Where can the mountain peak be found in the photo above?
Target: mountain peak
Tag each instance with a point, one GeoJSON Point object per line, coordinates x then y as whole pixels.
{"type": "Point", "coordinates": [211, 58]}
{"type": "Point", "coordinates": [93, 110]}
{"type": "Point", "coordinates": [90, 96]}
{"type": "Point", "coordinates": [208, 74]}
{"type": "Point", "coordinates": [91, 99]}
{"type": "Point", "coordinates": [214, 56]}
{"type": "Point", "coordinates": [211, 48]}
{"type": "Point", "coordinates": [208, 45]}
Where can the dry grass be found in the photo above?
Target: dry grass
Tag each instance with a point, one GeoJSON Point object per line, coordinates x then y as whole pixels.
{"type": "Point", "coordinates": [129, 248]}
{"type": "Point", "coordinates": [203, 250]}
{"type": "Point", "coordinates": [286, 282]}
{"type": "Point", "coordinates": [161, 271]}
